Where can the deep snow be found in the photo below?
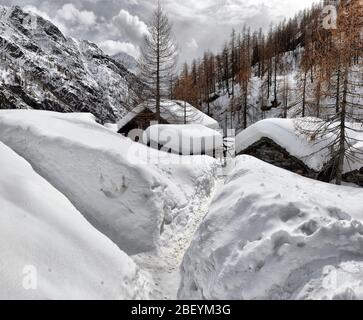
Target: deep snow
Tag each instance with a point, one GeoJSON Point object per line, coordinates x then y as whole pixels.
{"type": "Point", "coordinates": [271, 234]}
{"type": "Point", "coordinates": [42, 234]}
{"type": "Point", "coordinates": [268, 234]}
{"type": "Point", "coordinates": [117, 184]}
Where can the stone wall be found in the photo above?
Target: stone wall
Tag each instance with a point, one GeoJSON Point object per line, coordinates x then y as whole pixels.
{"type": "Point", "coordinates": [354, 177]}
{"type": "Point", "coordinates": [269, 151]}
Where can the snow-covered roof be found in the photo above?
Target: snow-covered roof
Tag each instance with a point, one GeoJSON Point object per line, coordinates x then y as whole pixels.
{"type": "Point", "coordinates": [173, 111]}
{"type": "Point", "coordinates": [185, 139]}
{"type": "Point", "coordinates": [288, 134]}
{"type": "Point", "coordinates": [284, 132]}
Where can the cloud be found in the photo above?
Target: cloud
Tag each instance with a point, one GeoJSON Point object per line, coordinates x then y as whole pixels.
{"type": "Point", "coordinates": [33, 9]}
{"type": "Point", "coordinates": [112, 47]}
{"type": "Point", "coordinates": [198, 25]}
{"type": "Point", "coordinates": [69, 16]}
{"type": "Point", "coordinates": [130, 26]}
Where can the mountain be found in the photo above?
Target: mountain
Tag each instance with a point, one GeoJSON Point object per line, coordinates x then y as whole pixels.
{"type": "Point", "coordinates": [128, 61]}
{"type": "Point", "coordinates": [43, 69]}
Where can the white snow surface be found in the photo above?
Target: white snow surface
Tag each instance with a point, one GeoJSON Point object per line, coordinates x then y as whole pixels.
{"type": "Point", "coordinates": [175, 112]}
{"type": "Point", "coordinates": [271, 234]}
{"type": "Point", "coordinates": [185, 139]}
{"type": "Point", "coordinates": [42, 234]}
{"type": "Point", "coordinates": [129, 192]}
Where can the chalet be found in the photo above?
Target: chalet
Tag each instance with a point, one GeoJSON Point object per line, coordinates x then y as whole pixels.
{"type": "Point", "coordinates": [271, 152]}
{"type": "Point", "coordinates": [276, 141]}
{"type": "Point", "coordinates": [171, 112]}
{"type": "Point", "coordinates": [280, 143]}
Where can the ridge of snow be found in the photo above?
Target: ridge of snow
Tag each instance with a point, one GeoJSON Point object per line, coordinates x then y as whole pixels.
{"type": "Point", "coordinates": [42, 232]}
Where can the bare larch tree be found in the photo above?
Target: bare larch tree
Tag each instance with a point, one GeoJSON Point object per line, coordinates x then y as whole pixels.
{"type": "Point", "coordinates": [158, 58]}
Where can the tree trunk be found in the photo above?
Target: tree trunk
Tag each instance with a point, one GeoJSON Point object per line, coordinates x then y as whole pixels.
{"type": "Point", "coordinates": [342, 133]}
{"type": "Point", "coordinates": [304, 96]}
{"type": "Point", "coordinates": [158, 75]}
{"type": "Point", "coordinates": [337, 92]}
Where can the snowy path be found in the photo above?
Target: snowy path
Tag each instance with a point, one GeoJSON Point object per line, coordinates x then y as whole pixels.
{"type": "Point", "coordinates": [163, 263]}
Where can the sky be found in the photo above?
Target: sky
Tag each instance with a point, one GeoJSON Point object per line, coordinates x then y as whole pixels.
{"type": "Point", "coordinates": [198, 25]}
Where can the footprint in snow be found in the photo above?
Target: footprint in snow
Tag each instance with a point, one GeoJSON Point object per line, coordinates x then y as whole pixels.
{"type": "Point", "coordinates": [112, 190]}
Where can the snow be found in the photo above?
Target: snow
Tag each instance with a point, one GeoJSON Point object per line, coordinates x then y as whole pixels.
{"type": "Point", "coordinates": [173, 112]}
{"type": "Point", "coordinates": [127, 191]}
{"type": "Point", "coordinates": [42, 232]}
{"type": "Point", "coordinates": [271, 234]}
{"type": "Point", "coordinates": [185, 139]}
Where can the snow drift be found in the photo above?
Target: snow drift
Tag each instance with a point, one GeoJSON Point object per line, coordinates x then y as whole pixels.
{"type": "Point", "coordinates": [271, 234]}
{"type": "Point", "coordinates": [127, 191]}
{"type": "Point", "coordinates": [40, 230]}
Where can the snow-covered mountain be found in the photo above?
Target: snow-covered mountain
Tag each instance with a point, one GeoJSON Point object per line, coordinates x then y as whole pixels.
{"type": "Point", "coordinates": [43, 69]}
{"type": "Point", "coordinates": [128, 61]}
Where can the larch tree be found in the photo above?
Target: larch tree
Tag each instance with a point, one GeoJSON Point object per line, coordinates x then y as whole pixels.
{"type": "Point", "coordinates": [338, 127]}
{"type": "Point", "coordinates": [158, 58]}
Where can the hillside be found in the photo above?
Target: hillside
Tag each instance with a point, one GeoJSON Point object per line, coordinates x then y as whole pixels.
{"type": "Point", "coordinates": [43, 69]}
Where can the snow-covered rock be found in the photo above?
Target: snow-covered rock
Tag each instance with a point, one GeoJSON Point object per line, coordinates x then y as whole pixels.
{"type": "Point", "coordinates": [42, 69]}
{"type": "Point", "coordinates": [126, 190]}
{"type": "Point", "coordinates": [271, 234]}
{"type": "Point", "coordinates": [49, 250]}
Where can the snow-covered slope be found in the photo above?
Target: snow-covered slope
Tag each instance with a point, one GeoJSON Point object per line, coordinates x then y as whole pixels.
{"type": "Point", "coordinates": [271, 234]}
{"type": "Point", "coordinates": [129, 192]}
{"type": "Point", "coordinates": [49, 250]}
{"type": "Point", "coordinates": [42, 69]}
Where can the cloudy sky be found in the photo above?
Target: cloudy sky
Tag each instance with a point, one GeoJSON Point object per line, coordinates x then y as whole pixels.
{"type": "Point", "coordinates": [119, 25]}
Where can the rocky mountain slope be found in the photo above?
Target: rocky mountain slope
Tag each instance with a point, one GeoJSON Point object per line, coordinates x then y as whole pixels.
{"type": "Point", "coordinates": [40, 68]}
{"type": "Point", "coordinates": [128, 61]}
